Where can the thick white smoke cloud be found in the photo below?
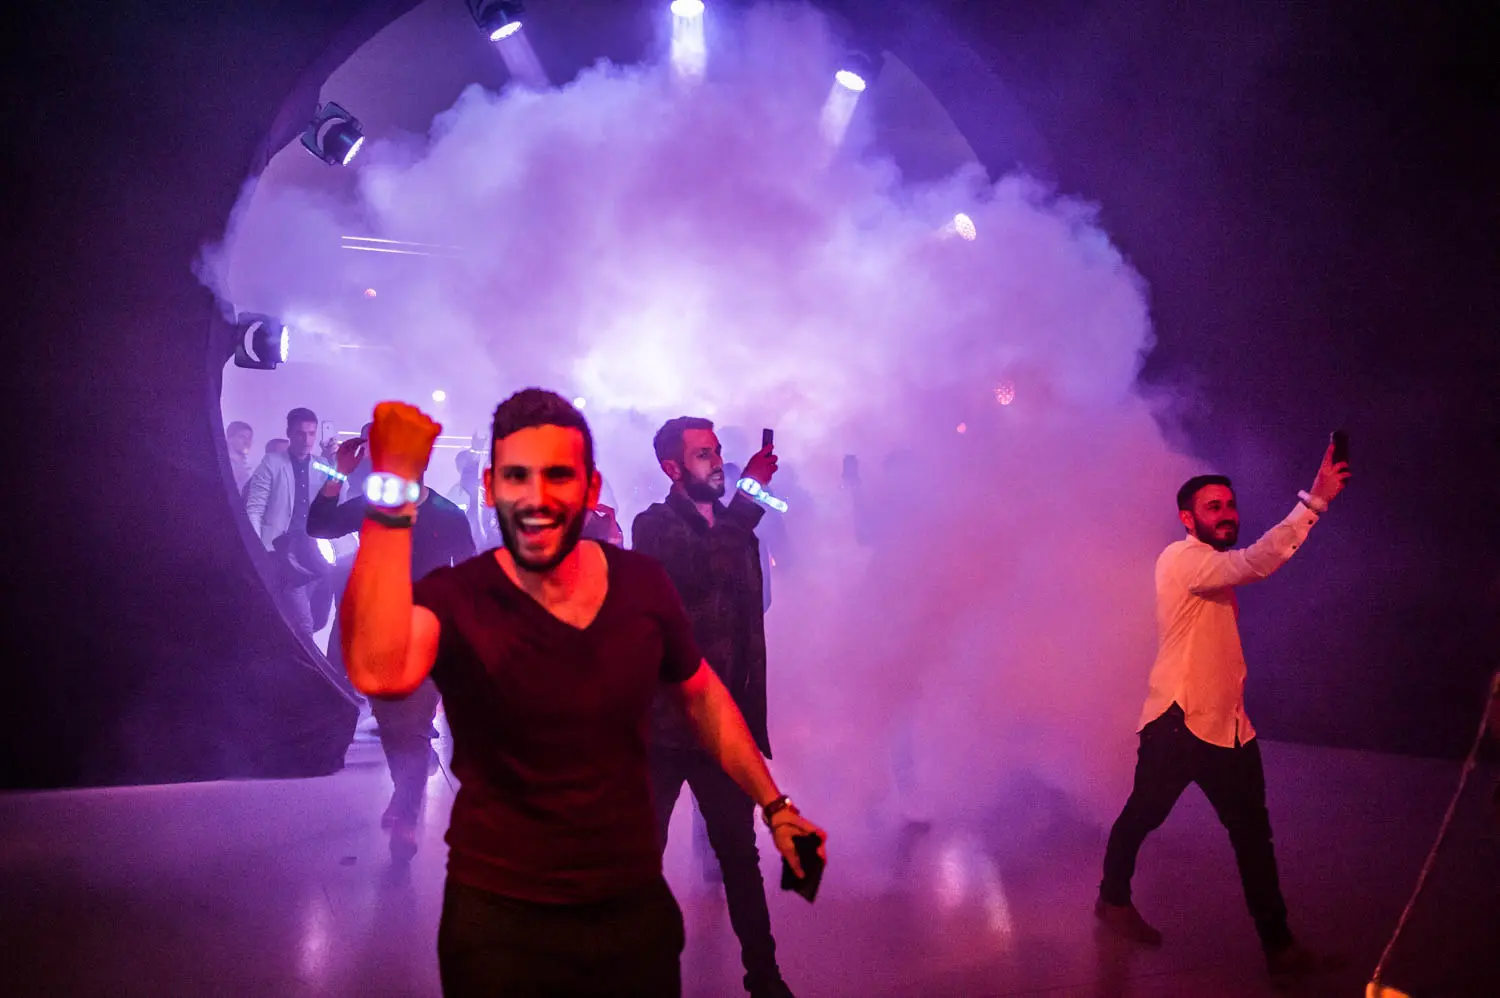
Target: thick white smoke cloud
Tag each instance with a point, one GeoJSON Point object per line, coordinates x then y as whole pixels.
{"type": "Point", "coordinates": [659, 249]}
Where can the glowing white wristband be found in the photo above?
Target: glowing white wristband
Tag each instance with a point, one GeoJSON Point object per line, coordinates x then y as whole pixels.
{"type": "Point", "coordinates": [758, 492]}
{"type": "Point", "coordinates": [390, 491]}
{"type": "Point", "coordinates": [333, 473]}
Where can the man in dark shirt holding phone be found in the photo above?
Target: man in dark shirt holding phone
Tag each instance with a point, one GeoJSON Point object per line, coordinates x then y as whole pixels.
{"type": "Point", "coordinates": [711, 554]}
{"type": "Point", "coordinates": [439, 537]}
{"type": "Point", "coordinates": [548, 652]}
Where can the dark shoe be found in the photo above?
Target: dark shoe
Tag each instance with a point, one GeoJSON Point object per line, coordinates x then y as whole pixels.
{"type": "Point", "coordinates": [403, 841]}
{"type": "Point", "coordinates": [1124, 920]}
{"type": "Point", "coordinates": [1296, 962]}
{"type": "Point", "coordinates": [769, 989]}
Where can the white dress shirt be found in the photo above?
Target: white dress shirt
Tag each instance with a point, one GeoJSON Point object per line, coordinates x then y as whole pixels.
{"type": "Point", "coordinates": [1200, 664]}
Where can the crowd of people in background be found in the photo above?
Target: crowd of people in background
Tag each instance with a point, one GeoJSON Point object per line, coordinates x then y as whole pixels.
{"type": "Point", "coordinates": [711, 541]}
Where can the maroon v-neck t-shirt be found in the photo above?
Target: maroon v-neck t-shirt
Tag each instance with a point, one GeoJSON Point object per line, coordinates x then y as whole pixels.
{"type": "Point", "coordinates": [550, 728]}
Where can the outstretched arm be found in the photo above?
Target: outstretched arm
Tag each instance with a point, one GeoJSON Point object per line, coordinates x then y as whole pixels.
{"type": "Point", "coordinates": [1205, 570]}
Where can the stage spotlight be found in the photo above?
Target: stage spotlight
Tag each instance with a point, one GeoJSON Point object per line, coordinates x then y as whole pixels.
{"type": "Point", "coordinates": [440, 396]}
{"type": "Point", "coordinates": [689, 47]}
{"type": "Point", "coordinates": [1005, 394]}
{"type": "Point", "coordinates": [859, 69]}
{"type": "Point", "coordinates": [580, 402]}
{"type": "Point", "coordinates": [261, 343]}
{"type": "Point", "coordinates": [964, 226]}
{"type": "Point", "coordinates": [850, 80]}
{"type": "Point", "coordinates": [849, 85]}
{"type": "Point", "coordinates": [334, 136]}
{"type": "Point", "coordinates": [498, 19]}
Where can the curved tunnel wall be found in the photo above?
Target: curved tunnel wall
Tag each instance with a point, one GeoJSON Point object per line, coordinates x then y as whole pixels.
{"type": "Point", "coordinates": [142, 643]}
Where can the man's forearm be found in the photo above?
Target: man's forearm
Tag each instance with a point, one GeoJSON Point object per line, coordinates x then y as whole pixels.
{"type": "Point", "coordinates": [722, 730]}
{"type": "Point", "coordinates": [375, 614]}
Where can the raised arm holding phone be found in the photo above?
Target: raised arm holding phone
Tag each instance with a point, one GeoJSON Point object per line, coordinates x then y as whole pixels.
{"type": "Point", "coordinates": [1193, 728]}
{"type": "Point", "coordinates": [548, 652]}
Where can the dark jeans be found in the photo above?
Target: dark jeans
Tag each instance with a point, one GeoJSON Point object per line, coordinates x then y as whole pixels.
{"type": "Point", "coordinates": [730, 818]}
{"type": "Point", "coordinates": [1234, 782]}
{"type": "Point", "coordinates": [703, 850]}
{"type": "Point", "coordinates": [490, 946]}
{"type": "Point", "coordinates": [306, 605]}
{"type": "Point", "coordinates": [404, 727]}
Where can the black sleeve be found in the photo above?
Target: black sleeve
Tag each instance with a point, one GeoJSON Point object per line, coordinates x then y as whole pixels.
{"type": "Point", "coordinates": [328, 518]}
{"type": "Point", "coordinates": [459, 545]}
{"type": "Point", "coordinates": [643, 536]}
{"type": "Point", "coordinates": [744, 511]}
{"type": "Point", "coordinates": [680, 655]}
{"type": "Point", "coordinates": [665, 546]}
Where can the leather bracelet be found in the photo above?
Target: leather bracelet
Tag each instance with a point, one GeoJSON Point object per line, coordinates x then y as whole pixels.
{"type": "Point", "coordinates": [400, 521]}
{"type": "Point", "coordinates": [771, 810]}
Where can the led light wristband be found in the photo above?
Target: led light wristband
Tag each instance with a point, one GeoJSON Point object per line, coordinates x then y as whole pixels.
{"type": "Point", "coordinates": [387, 491]}
{"type": "Point", "coordinates": [333, 473]}
{"type": "Point", "coordinates": [758, 492]}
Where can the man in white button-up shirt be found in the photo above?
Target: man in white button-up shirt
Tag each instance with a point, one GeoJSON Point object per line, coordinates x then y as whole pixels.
{"type": "Point", "coordinates": [1193, 728]}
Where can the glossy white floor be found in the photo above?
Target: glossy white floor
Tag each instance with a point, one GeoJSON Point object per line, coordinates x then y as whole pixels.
{"type": "Point", "coordinates": [286, 888]}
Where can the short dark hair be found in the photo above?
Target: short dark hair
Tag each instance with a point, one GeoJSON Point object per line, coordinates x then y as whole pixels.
{"type": "Point", "coordinates": [238, 426]}
{"type": "Point", "coordinates": [300, 415]}
{"type": "Point", "coordinates": [1196, 484]}
{"type": "Point", "coordinates": [538, 407]}
{"type": "Point", "coordinates": [668, 442]}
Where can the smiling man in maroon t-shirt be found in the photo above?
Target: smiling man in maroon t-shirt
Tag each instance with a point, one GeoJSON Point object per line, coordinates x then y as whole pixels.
{"type": "Point", "coordinates": [548, 652]}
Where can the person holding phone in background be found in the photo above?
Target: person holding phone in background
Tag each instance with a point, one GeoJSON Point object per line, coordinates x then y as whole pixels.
{"type": "Point", "coordinates": [712, 556]}
{"type": "Point", "coordinates": [1193, 728]}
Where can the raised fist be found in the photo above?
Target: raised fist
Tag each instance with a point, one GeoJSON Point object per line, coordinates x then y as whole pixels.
{"type": "Point", "coordinates": [401, 439]}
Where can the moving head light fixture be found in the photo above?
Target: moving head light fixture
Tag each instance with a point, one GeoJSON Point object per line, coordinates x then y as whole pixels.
{"type": "Point", "coordinates": [497, 18]}
{"type": "Point", "coordinates": [260, 342]}
{"type": "Point", "coordinates": [859, 68]}
{"type": "Point", "coordinates": [334, 136]}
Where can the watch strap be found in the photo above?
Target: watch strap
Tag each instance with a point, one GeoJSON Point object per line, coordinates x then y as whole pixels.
{"type": "Point", "coordinates": [400, 521]}
{"type": "Point", "coordinates": [771, 810]}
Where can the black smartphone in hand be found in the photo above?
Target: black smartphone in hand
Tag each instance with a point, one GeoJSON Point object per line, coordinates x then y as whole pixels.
{"type": "Point", "coordinates": [767, 438]}
{"type": "Point", "coordinates": [812, 867]}
{"type": "Point", "coordinates": [1340, 447]}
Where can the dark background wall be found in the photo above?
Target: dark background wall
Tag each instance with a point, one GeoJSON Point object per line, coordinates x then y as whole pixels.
{"type": "Point", "coordinates": [1308, 189]}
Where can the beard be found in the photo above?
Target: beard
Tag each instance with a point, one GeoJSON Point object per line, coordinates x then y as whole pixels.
{"type": "Point", "coordinates": [572, 533]}
{"type": "Point", "coordinates": [1210, 534]}
{"type": "Point", "coordinates": [703, 489]}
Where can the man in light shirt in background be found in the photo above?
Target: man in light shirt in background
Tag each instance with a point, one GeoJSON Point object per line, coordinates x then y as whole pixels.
{"type": "Point", "coordinates": [1194, 728]}
{"type": "Point", "coordinates": [239, 437]}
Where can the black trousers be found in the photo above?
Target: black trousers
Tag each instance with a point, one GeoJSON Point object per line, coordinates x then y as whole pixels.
{"type": "Point", "coordinates": [497, 947]}
{"type": "Point", "coordinates": [1234, 781]}
{"type": "Point", "coordinates": [729, 816]}
{"type": "Point", "coordinates": [405, 726]}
